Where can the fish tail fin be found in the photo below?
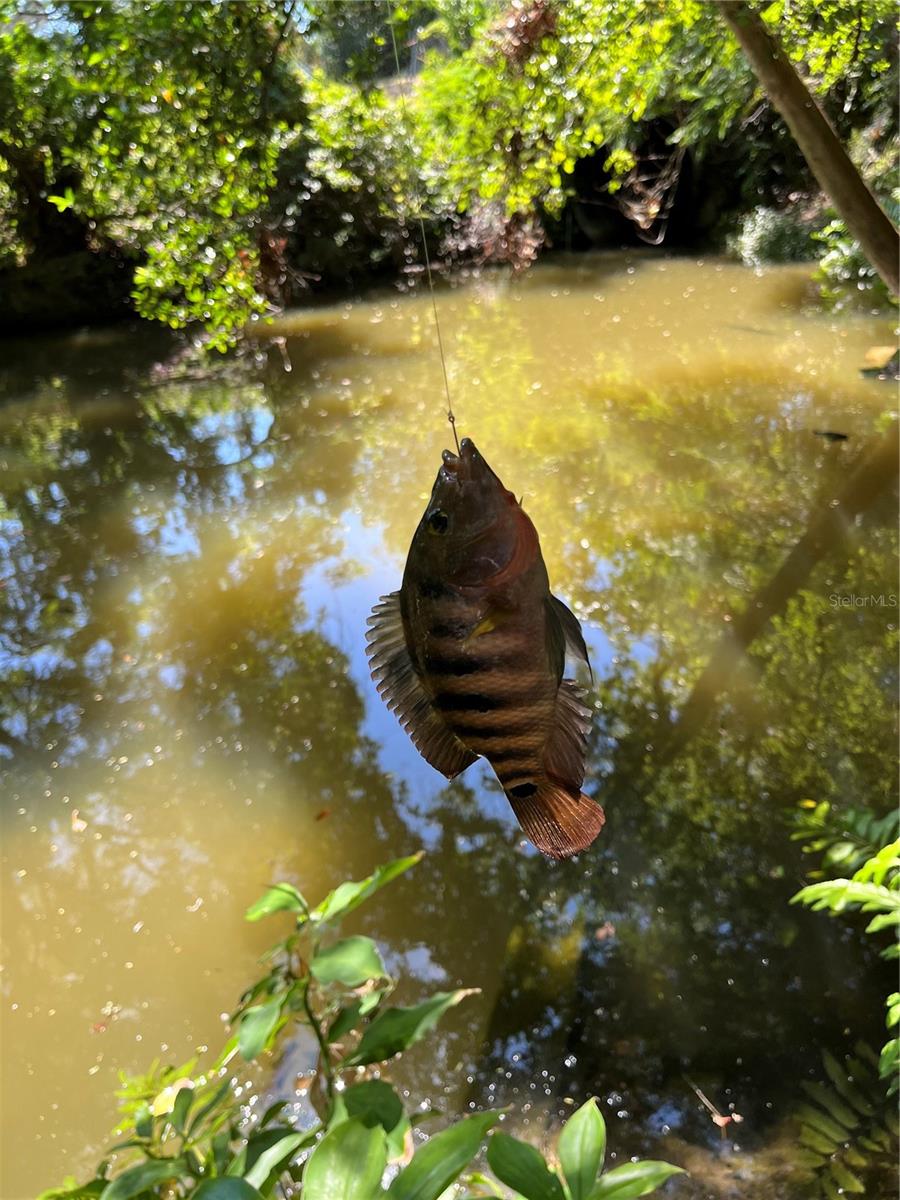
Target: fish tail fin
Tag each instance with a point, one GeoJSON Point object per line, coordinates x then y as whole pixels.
{"type": "Point", "coordinates": [556, 821]}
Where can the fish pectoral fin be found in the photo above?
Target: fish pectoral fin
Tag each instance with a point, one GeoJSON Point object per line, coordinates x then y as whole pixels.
{"type": "Point", "coordinates": [564, 630]}
{"type": "Point", "coordinates": [558, 822]}
{"type": "Point", "coordinates": [402, 690]}
{"type": "Point", "coordinates": [567, 744]}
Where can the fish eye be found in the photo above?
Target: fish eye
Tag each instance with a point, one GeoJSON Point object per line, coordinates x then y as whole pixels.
{"type": "Point", "coordinates": [438, 521]}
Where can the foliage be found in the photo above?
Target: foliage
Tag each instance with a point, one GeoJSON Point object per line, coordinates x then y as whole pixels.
{"type": "Point", "coordinates": [846, 838]}
{"type": "Point", "coordinates": [145, 135]}
{"type": "Point", "coordinates": [874, 888]}
{"type": "Point", "coordinates": [228, 151]}
{"type": "Point", "coordinates": [512, 116]}
{"type": "Point", "coordinates": [771, 235]}
{"type": "Point", "coordinates": [848, 1127]}
{"type": "Point", "coordinates": [187, 1134]}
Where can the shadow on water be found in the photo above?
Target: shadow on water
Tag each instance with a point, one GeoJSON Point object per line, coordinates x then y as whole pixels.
{"type": "Point", "coordinates": [186, 711]}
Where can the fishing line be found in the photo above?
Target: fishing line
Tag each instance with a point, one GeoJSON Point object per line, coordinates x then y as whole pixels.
{"type": "Point", "coordinates": [437, 324]}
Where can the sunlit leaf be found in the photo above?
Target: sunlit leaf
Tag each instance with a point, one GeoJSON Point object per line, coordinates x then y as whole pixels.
{"type": "Point", "coordinates": [257, 1026]}
{"type": "Point", "coordinates": [143, 1177]}
{"type": "Point", "coordinates": [280, 897]}
{"type": "Point", "coordinates": [276, 1155]}
{"type": "Point", "coordinates": [582, 1146]}
{"type": "Point", "coordinates": [522, 1167]}
{"type": "Point", "coordinates": [441, 1160]}
{"type": "Point", "coordinates": [348, 896]}
{"type": "Point", "coordinates": [396, 1029]}
{"type": "Point", "coordinates": [633, 1179]}
{"type": "Point", "coordinates": [351, 961]}
{"type": "Point", "coordinates": [347, 1164]}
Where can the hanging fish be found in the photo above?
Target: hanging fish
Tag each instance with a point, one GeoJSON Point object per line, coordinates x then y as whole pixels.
{"type": "Point", "coordinates": [470, 655]}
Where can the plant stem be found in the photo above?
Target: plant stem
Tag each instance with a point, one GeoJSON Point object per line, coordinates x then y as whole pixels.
{"type": "Point", "coordinates": [324, 1054]}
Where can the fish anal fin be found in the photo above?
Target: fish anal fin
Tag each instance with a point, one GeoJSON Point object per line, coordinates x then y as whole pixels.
{"type": "Point", "coordinates": [559, 823]}
{"type": "Point", "coordinates": [567, 744]}
{"type": "Point", "coordinates": [402, 689]}
{"type": "Point", "coordinates": [564, 630]}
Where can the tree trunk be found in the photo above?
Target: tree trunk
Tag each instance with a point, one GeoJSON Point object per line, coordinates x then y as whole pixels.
{"type": "Point", "coordinates": [827, 158]}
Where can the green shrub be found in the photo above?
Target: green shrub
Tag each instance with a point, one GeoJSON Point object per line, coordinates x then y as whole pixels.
{"type": "Point", "coordinates": [184, 1133]}
{"type": "Point", "coordinates": [770, 235]}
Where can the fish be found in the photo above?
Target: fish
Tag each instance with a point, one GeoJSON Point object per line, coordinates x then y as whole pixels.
{"type": "Point", "coordinates": [470, 655]}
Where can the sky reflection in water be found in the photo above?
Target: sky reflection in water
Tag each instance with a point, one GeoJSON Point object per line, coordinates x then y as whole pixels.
{"type": "Point", "coordinates": [187, 567]}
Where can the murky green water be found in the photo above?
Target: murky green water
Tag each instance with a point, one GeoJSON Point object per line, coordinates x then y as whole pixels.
{"type": "Point", "coordinates": [186, 713]}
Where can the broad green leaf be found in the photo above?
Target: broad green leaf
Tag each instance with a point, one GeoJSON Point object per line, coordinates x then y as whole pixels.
{"type": "Point", "coordinates": [374, 1102]}
{"type": "Point", "coordinates": [351, 961]}
{"type": "Point", "coordinates": [439, 1162]}
{"type": "Point", "coordinates": [348, 896]}
{"type": "Point", "coordinates": [226, 1188]}
{"type": "Point", "coordinates": [582, 1148]}
{"type": "Point", "coordinates": [143, 1177]}
{"type": "Point", "coordinates": [276, 1155]}
{"type": "Point", "coordinates": [257, 1026]}
{"type": "Point", "coordinates": [522, 1167]}
{"type": "Point", "coordinates": [181, 1108]}
{"type": "Point", "coordinates": [281, 896]}
{"type": "Point", "coordinates": [633, 1179]}
{"type": "Point", "coordinates": [84, 1191]}
{"type": "Point", "coordinates": [395, 1029]}
{"type": "Point", "coordinates": [347, 1164]}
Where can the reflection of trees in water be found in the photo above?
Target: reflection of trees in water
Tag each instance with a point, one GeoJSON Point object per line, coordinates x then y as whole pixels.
{"type": "Point", "coordinates": [688, 959]}
{"type": "Point", "coordinates": [156, 549]}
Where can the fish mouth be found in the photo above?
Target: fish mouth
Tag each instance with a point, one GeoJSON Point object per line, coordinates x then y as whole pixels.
{"type": "Point", "coordinates": [460, 467]}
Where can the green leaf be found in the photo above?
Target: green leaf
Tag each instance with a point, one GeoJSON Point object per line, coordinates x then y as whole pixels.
{"type": "Point", "coordinates": [845, 1086]}
{"type": "Point", "coordinates": [522, 1167]}
{"type": "Point", "coordinates": [226, 1188]}
{"type": "Point", "coordinates": [633, 1179]}
{"type": "Point", "coordinates": [347, 1164]}
{"type": "Point", "coordinates": [181, 1108]}
{"type": "Point", "coordinates": [63, 202]}
{"type": "Point", "coordinates": [831, 1103]}
{"type": "Point", "coordinates": [582, 1148]}
{"type": "Point", "coordinates": [348, 896]}
{"type": "Point", "coordinates": [83, 1191]}
{"type": "Point", "coordinates": [352, 961]}
{"type": "Point", "coordinates": [142, 1177]}
{"type": "Point", "coordinates": [208, 1105]}
{"type": "Point", "coordinates": [275, 1156]}
{"type": "Point", "coordinates": [846, 1180]}
{"type": "Point", "coordinates": [257, 1025]}
{"type": "Point", "coordinates": [276, 899]}
{"type": "Point", "coordinates": [374, 1102]}
{"type": "Point", "coordinates": [395, 1029]}
{"type": "Point", "coordinates": [439, 1162]}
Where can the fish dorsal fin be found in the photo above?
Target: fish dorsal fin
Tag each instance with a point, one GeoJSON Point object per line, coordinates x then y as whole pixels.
{"type": "Point", "coordinates": [402, 690]}
{"type": "Point", "coordinates": [564, 630]}
{"type": "Point", "coordinates": [565, 749]}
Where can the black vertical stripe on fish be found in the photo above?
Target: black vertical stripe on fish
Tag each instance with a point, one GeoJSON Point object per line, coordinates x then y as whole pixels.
{"type": "Point", "coordinates": [504, 755]}
{"type": "Point", "coordinates": [446, 664]}
{"type": "Point", "coordinates": [435, 589]}
{"type": "Point", "coordinates": [453, 702]}
{"type": "Point", "coordinates": [507, 729]}
{"type": "Point", "coordinates": [443, 629]}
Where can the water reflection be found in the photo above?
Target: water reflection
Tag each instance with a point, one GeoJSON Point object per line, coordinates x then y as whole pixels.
{"type": "Point", "coordinates": [186, 713]}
